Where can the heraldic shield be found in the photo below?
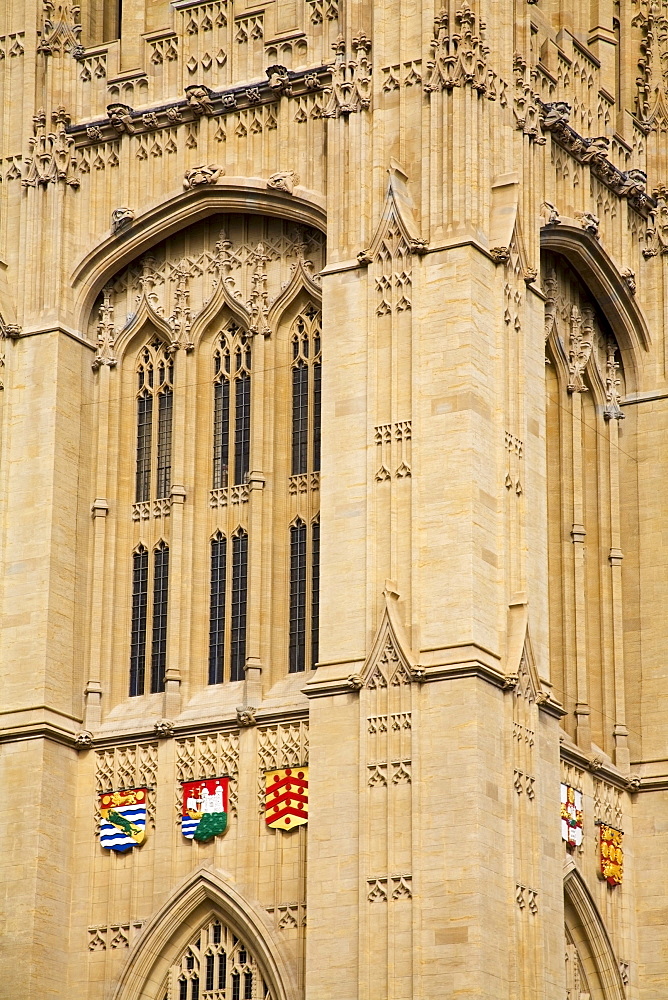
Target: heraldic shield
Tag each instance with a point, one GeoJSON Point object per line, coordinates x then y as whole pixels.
{"type": "Point", "coordinates": [123, 818]}
{"type": "Point", "coordinates": [286, 798]}
{"type": "Point", "coordinates": [204, 812]}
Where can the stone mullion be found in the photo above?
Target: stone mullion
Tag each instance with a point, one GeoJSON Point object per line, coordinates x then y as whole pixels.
{"type": "Point", "coordinates": [256, 546]}
{"type": "Point", "coordinates": [622, 755]}
{"type": "Point", "coordinates": [578, 534]}
{"type": "Point", "coordinates": [99, 636]}
{"type": "Point", "coordinates": [179, 583]}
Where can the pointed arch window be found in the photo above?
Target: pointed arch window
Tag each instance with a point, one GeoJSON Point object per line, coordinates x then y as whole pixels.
{"type": "Point", "coordinates": [228, 608]}
{"type": "Point", "coordinates": [142, 620]}
{"type": "Point", "coordinates": [306, 389]}
{"type": "Point", "coordinates": [216, 964]}
{"type": "Point", "coordinates": [231, 407]}
{"type": "Point", "coordinates": [155, 393]}
{"type": "Point", "coordinates": [304, 595]}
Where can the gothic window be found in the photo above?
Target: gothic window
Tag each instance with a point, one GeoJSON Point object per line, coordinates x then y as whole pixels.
{"type": "Point", "coordinates": [304, 629]}
{"type": "Point", "coordinates": [216, 965]}
{"type": "Point", "coordinates": [140, 618]}
{"type": "Point", "coordinates": [138, 627]}
{"type": "Point", "coordinates": [155, 378]}
{"type": "Point", "coordinates": [231, 408]}
{"type": "Point", "coordinates": [306, 381]}
{"type": "Point", "coordinates": [227, 616]}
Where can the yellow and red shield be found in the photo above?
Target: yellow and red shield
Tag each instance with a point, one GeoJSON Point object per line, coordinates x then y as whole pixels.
{"type": "Point", "coordinates": [286, 797]}
{"type": "Point", "coordinates": [611, 855]}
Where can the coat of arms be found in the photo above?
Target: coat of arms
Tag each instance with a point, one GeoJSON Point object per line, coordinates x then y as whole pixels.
{"type": "Point", "coordinates": [286, 797]}
{"type": "Point", "coordinates": [571, 816]}
{"type": "Point", "coordinates": [204, 813]}
{"type": "Point", "coordinates": [123, 818]}
{"type": "Point", "coordinates": [611, 855]}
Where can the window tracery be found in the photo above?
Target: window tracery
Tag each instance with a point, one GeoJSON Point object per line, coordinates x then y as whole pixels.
{"type": "Point", "coordinates": [306, 391]}
{"type": "Point", "coordinates": [232, 408]}
{"type": "Point", "coordinates": [155, 393]}
{"type": "Point", "coordinates": [228, 608]}
{"type": "Point", "coordinates": [140, 623]}
{"type": "Point", "coordinates": [216, 965]}
{"type": "Point", "coordinates": [304, 595]}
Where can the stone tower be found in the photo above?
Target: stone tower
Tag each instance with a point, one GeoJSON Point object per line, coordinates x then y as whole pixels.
{"type": "Point", "coordinates": [333, 410]}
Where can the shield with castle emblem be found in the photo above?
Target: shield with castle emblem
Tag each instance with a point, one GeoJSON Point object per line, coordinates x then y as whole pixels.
{"type": "Point", "coordinates": [286, 797]}
{"type": "Point", "coordinates": [205, 805]}
{"type": "Point", "coordinates": [123, 818]}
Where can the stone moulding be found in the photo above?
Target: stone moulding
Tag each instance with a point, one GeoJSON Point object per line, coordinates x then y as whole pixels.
{"type": "Point", "coordinates": [205, 891]}
{"type": "Point", "coordinates": [242, 195]}
{"type": "Point", "coordinates": [626, 184]}
{"type": "Point", "coordinates": [189, 109]}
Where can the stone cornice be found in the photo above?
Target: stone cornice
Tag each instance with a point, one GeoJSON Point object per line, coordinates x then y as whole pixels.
{"type": "Point", "coordinates": [206, 103]}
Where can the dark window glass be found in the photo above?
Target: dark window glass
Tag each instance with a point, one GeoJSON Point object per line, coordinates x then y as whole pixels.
{"type": "Point", "coordinates": [164, 476]}
{"type": "Point", "coordinates": [238, 610]}
{"type": "Point", "coordinates": [317, 369]}
{"type": "Point", "coordinates": [221, 433]}
{"type": "Point", "coordinates": [194, 992]}
{"type": "Point", "coordinates": [299, 418]}
{"type": "Point", "coordinates": [222, 970]}
{"type": "Point", "coordinates": [216, 933]}
{"type": "Point", "coordinates": [138, 627]}
{"type": "Point", "coordinates": [144, 429]}
{"type": "Point", "coordinates": [242, 428]}
{"type": "Point", "coordinates": [217, 613]}
{"type": "Point", "coordinates": [297, 646]}
{"type": "Point", "coordinates": [209, 972]}
{"type": "Point", "coordinates": [315, 592]}
{"type": "Point", "coordinates": [248, 986]}
{"type": "Point", "coordinates": [236, 984]}
{"type": "Point", "coordinates": [159, 636]}
{"type": "Point", "coordinates": [183, 989]}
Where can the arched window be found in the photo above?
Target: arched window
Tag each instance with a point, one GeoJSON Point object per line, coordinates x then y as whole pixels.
{"type": "Point", "coordinates": [585, 383]}
{"type": "Point", "coordinates": [306, 382]}
{"type": "Point", "coordinates": [227, 609]}
{"type": "Point", "coordinates": [140, 618]}
{"type": "Point", "coordinates": [304, 594]}
{"type": "Point", "coordinates": [155, 378]}
{"type": "Point", "coordinates": [216, 965]}
{"type": "Point", "coordinates": [231, 407]}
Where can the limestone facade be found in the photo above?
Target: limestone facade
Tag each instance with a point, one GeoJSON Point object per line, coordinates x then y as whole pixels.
{"type": "Point", "coordinates": [333, 409]}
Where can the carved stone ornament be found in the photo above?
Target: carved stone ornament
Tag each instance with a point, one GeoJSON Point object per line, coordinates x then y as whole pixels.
{"type": "Point", "coordinates": [530, 275]}
{"type": "Point", "coordinates": [458, 52]}
{"type": "Point", "coordinates": [121, 218]}
{"type": "Point", "coordinates": [398, 216]}
{"type": "Point", "coordinates": [612, 409]}
{"type": "Point", "coordinates": [84, 739]}
{"type": "Point", "coordinates": [629, 277]}
{"type": "Point", "coordinates": [555, 114]}
{"type": "Point", "coordinates": [52, 157]}
{"type": "Point", "coordinates": [595, 763]}
{"type": "Point", "coordinates": [633, 782]}
{"type": "Point", "coordinates": [500, 255]}
{"type": "Point", "coordinates": [549, 215]}
{"type": "Point", "coordinates": [164, 729]}
{"type": "Point", "coordinates": [283, 180]}
{"type": "Point", "coordinates": [279, 79]}
{"type": "Point", "coordinates": [202, 174]}
{"type": "Point", "coordinates": [656, 236]}
{"type": "Point", "coordinates": [106, 332]}
{"type": "Point", "coordinates": [120, 116]}
{"type": "Point", "coordinates": [61, 29]}
{"type": "Point", "coordinates": [199, 98]}
{"type": "Point", "coordinates": [355, 682]}
{"type": "Point", "coordinates": [579, 352]}
{"type": "Point", "coordinates": [589, 222]}
{"type": "Point", "coordinates": [246, 715]}
{"type": "Point", "coordinates": [351, 78]}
